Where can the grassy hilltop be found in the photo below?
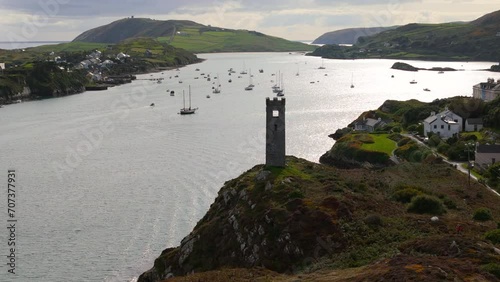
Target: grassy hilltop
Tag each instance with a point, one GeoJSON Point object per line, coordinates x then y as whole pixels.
{"type": "Point", "coordinates": [191, 36]}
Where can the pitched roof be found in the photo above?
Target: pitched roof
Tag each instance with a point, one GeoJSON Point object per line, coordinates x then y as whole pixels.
{"type": "Point", "coordinates": [371, 122]}
{"type": "Point", "coordinates": [475, 121]}
{"type": "Point", "coordinates": [431, 119]}
{"type": "Point", "coordinates": [488, 149]}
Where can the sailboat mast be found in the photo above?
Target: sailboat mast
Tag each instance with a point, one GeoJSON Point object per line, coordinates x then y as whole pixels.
{"type": "Point", "coordinates": [183, 99]}
{"type": "Point", "coordinates": [189, 96]}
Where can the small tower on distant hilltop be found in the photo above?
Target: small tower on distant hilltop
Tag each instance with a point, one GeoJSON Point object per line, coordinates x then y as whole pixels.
{"type": "Point", "coordinates": [275, 132]}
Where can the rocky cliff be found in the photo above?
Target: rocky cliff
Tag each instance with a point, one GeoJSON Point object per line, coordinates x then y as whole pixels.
{"type": "Point", "coordinates": [311, 222]}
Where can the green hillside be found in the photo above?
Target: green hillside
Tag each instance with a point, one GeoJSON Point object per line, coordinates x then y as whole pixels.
{"type": "Point", "coordinates": [225, 40]}
{"type": "Point", "coordinates": [191, 36]}
{"type": "Point", "coordinates": [349, 35]}
{"type": "Point", "coordinates": [476, 40]}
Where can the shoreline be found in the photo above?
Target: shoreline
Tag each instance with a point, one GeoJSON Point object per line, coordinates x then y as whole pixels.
{"type": "Point", "coordinates": [108, 85]}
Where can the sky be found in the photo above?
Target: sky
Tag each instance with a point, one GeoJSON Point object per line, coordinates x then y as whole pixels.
{"type": "Point", "coordinates": [63, 20]}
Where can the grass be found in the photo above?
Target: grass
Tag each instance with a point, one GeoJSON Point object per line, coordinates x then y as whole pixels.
{"type": "Point", "coordinates": [231, 41]}
{"type": "Point", "coordinates": [381, 144]}
{"type": "Point", "coordinates": [68, 47]}
{"type": "Point", "coordinates": [281, 173]}
{"type": "Point", "coordinates": [478, 135]}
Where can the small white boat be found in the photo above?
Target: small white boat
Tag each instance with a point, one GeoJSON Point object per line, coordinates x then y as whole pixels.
{"type": "Point", "coordinates": [413, 82]}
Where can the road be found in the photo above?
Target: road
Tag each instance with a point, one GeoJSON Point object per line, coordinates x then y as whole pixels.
{"type": "Point", "coordinates": [457, 165]}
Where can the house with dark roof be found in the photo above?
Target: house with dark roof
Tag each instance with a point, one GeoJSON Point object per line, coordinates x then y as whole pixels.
{"type": "Point", "coordinates": [486, 91]}
{"type": "Point", "coordinates": [473, 124]}
{"type": "Point", "coordinates": [487, 155]}
{"type": "Point", "coordinates": [368, 124]}
{"type": "Point", "coordinates": [445, 124]}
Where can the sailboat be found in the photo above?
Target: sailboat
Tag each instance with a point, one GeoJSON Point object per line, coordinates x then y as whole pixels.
{"type": "Point", "coordinates": [322, 65]}
{"type": "Point", "coordinates": [217, 88]}
{"type": "Point", "coordinates": [184, 110]}
{"type": "Point", "coordinates": [413, 81]}
{"type": "Point", "coordinates": [281, 91]}
{"type": "Point", "coordinates": [250, 85]}
{"type": "Point", "coordinates": [244, 70]}
{"type": "Point", "coordinates": [297, 74]}
{"type": "Point", "coordinates": [277, 87]}
{"type": "Point", "coordinates": [352, 83]}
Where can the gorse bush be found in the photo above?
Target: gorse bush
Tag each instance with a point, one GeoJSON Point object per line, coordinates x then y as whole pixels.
{"type": "Point", "coordinates": [493, 236]}
{"type": "Point", "coordinates": [492, 268]}
{"type": "Point", "coordinates": [425, 204]}
{"type": "Point", "coordinates": [405, 195]}
{"type": "Point", "coordinates": [482, 214]}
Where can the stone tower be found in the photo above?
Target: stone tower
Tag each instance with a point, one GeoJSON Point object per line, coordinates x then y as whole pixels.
{"type": "Point", "coordinates": [275, 132]}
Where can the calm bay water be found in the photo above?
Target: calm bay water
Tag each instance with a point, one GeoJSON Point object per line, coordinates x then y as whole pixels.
{"type": "Point", "coordinates": [26, 44]}
{"type": "Point", "coordinates": [105, 182]}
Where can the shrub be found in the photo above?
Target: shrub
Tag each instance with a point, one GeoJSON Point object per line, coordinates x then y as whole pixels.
{"type": "Point", "coordinates": [443, 148]}
{"type": "Point", "coordinates": [412, 127]}
{"type": "Point", "coordinates": [404, 141]}
{"type": "Point", "coordinates": [493, 236]}
{"type": "Point", "coordinates": [396, 137]}
{"type": "Point", "coordinates": [449, 203]}
{"type": "Point", "coordinates": [426, 204]}
{"type": "Point", "coordinates": [492, 268]}
{"type": "Point", "coordinates": [434, 140]}
{"type": "Point", "coordinates": [482, 214]}
{"type": "Point", "coordinates": [373, 220]}
{"type": "Point", "coordinates": [396, 129]}
{"type": "Point", "coordinates": [405, 195]}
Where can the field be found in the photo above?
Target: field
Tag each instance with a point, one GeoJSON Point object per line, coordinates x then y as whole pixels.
{"type": "Point", "coordinates": [380, 144]}
{"type": "Point", "coordinates": [223, 40]}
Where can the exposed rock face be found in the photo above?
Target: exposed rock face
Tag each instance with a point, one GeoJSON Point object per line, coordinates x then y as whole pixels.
{"type": "Point", "coordinates": [258, 219]}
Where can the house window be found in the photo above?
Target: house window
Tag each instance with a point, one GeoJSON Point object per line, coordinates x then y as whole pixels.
{"type": "Point", "coordinates": [435, 126]}
{"type": "Point", "coordinates": [442, 126]}
{"type": "Point", "coordinates": [493, 161]}
{"type": "Point", "coordinates": [449, 127]}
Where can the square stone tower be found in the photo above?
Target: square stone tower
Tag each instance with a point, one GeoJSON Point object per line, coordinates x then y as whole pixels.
{"type": "Point", "coordinates": [275, 132]}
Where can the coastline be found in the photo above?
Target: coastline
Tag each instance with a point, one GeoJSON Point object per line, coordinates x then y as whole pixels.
{"type": "Point", "coordinates": [125, 79]}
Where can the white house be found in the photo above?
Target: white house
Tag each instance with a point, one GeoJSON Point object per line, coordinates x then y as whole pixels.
{"type": "Point", "coordinates": [473, 124]}
{"type": "Point", "coordinates": [486, 91]}
{"type": "Point", "coordinates": [445, 124]}
{"type": "Point", "coordinates": [487, 154]}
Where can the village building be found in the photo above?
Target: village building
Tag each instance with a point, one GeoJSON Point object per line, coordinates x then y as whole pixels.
{"type": "Point", "coordinates": [473, 124]}
{"type": "Point", "coordinates": [445, 124]}
{"type": "Point", "coordinates": [486, 91]}
{"type": "Point", "coordinates": [487, 155]}
{"type": "Point", "coordinates": [368, 124]}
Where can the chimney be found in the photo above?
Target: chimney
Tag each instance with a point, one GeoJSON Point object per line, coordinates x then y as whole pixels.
{"type": "Point", "coordinates": [433, 114]}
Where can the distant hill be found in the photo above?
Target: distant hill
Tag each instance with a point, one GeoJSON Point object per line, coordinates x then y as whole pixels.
{"type": "Point", "coordinates": [191, 36]}
{"type": "Point", "coordinates": [459, 41]}
{"type": "Point", "coordinates": [349, 35]}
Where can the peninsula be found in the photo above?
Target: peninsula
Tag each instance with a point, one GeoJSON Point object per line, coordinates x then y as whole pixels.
{"type": "Point", "coordinates": [417, 218]}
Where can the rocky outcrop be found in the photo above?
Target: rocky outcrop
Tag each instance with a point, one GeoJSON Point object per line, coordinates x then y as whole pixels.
{"type": "Point", "coordinates": [408, 67]}
{"type": "Point", "coordinates": [260, 219]}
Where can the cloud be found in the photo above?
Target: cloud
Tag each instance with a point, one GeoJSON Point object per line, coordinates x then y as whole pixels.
{"type": "Point", "coordinates": [305, 19]}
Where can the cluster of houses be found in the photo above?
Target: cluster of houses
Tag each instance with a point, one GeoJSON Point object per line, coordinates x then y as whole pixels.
{"type": "Point", "coordinates": [445, 124]}
{"type": "Point", "coordinates": [94, 65]}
